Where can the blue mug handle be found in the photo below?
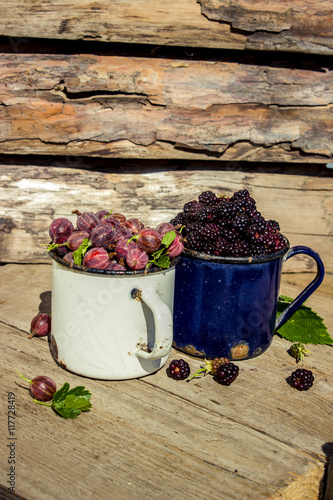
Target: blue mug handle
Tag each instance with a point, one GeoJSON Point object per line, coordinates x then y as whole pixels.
{"type": "Point", "coordinates": [305, 294]}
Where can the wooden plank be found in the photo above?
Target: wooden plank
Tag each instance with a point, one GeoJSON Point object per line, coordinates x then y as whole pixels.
{"type": "Point", "coordinates": [175, 82]}
{"type": "Point", "coordinates": [33, 195]}
{"type": "Point", "coordinates": [215, 24]}
{"type": "Point", "coordinates": [164, 108]}
{"type": "Point", "coordinates": [275, 24]}
{"type": "Point", "coordinates": [251, 439]}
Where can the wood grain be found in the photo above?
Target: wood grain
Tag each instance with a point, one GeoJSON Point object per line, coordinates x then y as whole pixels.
{"type": "Point", "coordinates": [271, 25]}
{"type": "Point", "coordinates": [33, 195]}
{"type": "Point", "coordinates": [164, 108]}
{"type": "Point", "coordinates": [275, 24]}
{"type": "Point", "coordinates": [249, 440]}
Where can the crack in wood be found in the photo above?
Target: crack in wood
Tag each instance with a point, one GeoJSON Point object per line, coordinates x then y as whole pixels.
{"type": "Point", "coordinates": [92, 94]}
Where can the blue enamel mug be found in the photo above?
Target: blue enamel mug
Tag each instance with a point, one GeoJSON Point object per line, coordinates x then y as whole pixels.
{"type": "Point", "coordinates": [227, 306]}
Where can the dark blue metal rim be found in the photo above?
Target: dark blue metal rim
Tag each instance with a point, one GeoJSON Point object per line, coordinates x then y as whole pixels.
{"type": "Point", "coordinates": [192, 254]}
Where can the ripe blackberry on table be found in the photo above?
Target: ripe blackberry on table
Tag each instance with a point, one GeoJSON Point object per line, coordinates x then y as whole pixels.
{"type": "Point", "coordinates": [242, 194]}
{"type": "Point", "coordinates": [216, 363]}
{"type": "Point", "coordinates": [226, 373]}
{"type": "Point", "coordinates": [179, 369]}
{"type": "Point", "coordinates": [210, 366]}
{"type": "Point", "coordinates": [302, 379]}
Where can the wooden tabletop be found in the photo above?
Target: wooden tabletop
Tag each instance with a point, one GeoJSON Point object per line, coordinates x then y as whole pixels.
{"type": "Point", "coordinates": [156, 438]}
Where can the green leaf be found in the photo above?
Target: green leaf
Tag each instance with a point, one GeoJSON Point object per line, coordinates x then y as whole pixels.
{"type": "Point", "coordinates": [163, 261]}
{"type": "Point", "coordinates": [110, 213]}
{"type": "Point", "coordinates": [60, 394]}
{"type": "Point", "coordinates": [304, 326]}
{"type": "Point", "coordinates": [70, 403]}
{"type": "Point", "coordinates": [156, 255]}
{"type": "Point", "coordinates": [52, 246]}
{"type": "Point", "coordinates": [79, 253]}
{"type": "Point", "coordinates": [168, 238]}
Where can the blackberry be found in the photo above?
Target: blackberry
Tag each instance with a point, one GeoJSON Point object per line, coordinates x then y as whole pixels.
{"type": "Point", "coordinates": [255, 232]}
{"type": "Point", "coordinates": [226, 373]}
{"type": "Point", "coordinates": [243, 200]}
{"type": "Point", "coordinates": [240, 223]}
{"type": "Point", "coordinates": [178, 220]}
{"type": "Point", "coordinates": [302, 379]}
{"type": "Point", "coordinates": [221, 246]}
{"type": "Point", "coordinates": [179, 369]}
{"type": "Point", "coordinates": [216, 363]}
{"type": "Point", "coordinates": [230, 234]}
{"type": "Point", "coordinates": [242, 194]}
{"type": "Point", "coordinates": [209, 232]}
{"type": "Point", "coordinates": [205, 214]}
{"type": "Point", "coordinates": [196, 226]}
{"type": "Point", "coordinates": [272, 226]}
{"type": "Point", "coordinates": [190, 210]}
{"type": "Point", "coordinates": [193, 241]}
{"type": "Point", "coordinates": [209, 367]}
{"type": "Point", "coordinates": [273, 242]}
{"type": "Point", "coordinates": [191, 207]}
{"type": "Point", "coordinates": [225, 209]}
{"type": "Point", "coordinates": [280, 243]}
{"type": "Point", "coordinates": [239, 248]}
{"type": "Point", "coordinates": [207, 198]}
{"type": "Point", "coordinates": [257, 250]}
{"type": "Point", "coordinates": [207, 248]}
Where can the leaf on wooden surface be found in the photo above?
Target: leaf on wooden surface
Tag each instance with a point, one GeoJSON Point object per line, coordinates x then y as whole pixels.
{"type": "Point", "coordinates": [304, 326]}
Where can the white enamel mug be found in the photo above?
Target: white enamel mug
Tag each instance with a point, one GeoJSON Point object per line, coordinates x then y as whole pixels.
{"type": "Point", "coordinates": [109, 325]}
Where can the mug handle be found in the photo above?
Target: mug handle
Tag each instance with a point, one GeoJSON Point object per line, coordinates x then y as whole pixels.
{"type": "Point", "coordinates": [305, 294]}
{"type": "Point", "coordinates": [163, 325]}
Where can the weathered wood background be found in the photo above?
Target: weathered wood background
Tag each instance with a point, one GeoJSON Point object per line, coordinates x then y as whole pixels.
{"type": "Point", "coordinates": [150, 107]}
{"type": "Point", "coordinates": [33, 195]}
{"type": "Point", "coordinates": [303, 26]}
{"type": "Point", "coordinates": [158, 94]}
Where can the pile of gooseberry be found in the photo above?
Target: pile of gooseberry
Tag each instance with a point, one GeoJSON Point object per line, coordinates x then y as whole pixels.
{"type": "Point", "coordinates": [110, 241]}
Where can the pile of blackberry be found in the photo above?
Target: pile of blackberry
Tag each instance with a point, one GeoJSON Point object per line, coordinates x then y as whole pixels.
{"type": "Point", "coordinates": [228, 226]}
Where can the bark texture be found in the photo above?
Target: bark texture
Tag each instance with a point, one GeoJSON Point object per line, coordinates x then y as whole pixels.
{"type": "Point", "coordinates": [303, 26]}
{"type": "Point", "coordinates": [164, 108]}
{"type": "Point", "coordinates": [32, 196]}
